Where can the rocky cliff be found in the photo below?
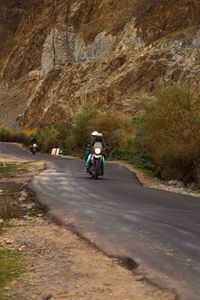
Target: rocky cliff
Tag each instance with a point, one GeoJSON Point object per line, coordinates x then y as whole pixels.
{"type": "Point", "coordinates": [57, 56]}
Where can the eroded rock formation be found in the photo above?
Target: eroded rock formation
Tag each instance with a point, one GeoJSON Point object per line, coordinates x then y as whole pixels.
{"type": "Point", "coordinates": [59, 55]}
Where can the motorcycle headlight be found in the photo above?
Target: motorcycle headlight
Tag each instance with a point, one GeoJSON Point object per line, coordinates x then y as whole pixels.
{"type": "Point", "coordinates": [97, 150]}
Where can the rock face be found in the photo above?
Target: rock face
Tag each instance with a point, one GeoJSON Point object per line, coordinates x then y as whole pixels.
{"type": "Point", "coordinates": [60, 55]}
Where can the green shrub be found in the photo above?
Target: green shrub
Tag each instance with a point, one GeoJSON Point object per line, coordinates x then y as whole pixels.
{"type": "Point", "coordinates": [4, 135]}
{"type": "Point", "coordinates": [12, 135]}
{"type": "Point", "coordinates": [81, 129]}
{"type": "Point", "coordinates": [116, 127]}
{"type": "Point", "coordinates": [47, 139]}
{"type": "Point", "coordinates": [169, 128]}
{"type": "Point", "coordinates": [140, 158]}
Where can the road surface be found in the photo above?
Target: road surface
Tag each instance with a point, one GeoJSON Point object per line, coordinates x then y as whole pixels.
{"type": "Point", "coordinates": [159, 230]}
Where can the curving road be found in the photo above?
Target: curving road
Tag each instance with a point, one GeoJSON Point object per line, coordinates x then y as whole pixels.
{"type": "Point", "coordinates": [157, 229]}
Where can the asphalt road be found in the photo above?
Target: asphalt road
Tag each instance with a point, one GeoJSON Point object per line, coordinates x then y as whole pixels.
{"type": "Point", "coordinates": [157, 229]}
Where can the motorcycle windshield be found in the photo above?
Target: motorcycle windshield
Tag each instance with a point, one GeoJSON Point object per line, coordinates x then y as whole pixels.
{"type": "Point", "coordinates": [98, 145]}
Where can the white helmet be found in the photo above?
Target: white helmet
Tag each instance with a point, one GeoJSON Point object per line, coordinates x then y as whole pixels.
{"type": "Point", "coordinates": [95, 133]}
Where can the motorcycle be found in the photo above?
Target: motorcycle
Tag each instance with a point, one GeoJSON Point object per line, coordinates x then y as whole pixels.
{"type": "Point", "coordinates": [97, 160]}
{"type": "Point", "coordinates": [34, 149]}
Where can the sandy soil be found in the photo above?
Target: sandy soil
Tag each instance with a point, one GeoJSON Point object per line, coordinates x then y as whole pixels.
{"type": "Point", "coordinates": [59, 264]}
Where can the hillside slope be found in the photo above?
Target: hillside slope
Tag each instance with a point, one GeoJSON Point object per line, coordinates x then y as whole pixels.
{"type": "Point", "coordinates": [60, 55]}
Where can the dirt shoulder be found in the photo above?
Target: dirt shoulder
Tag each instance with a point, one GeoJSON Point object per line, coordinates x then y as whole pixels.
{"type": "Point", "coordinates": [56, 263]}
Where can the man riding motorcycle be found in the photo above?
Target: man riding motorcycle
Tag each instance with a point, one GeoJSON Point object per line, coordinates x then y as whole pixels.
{"type": "Point", "coordinates": [33, 145]}
{"type": "Point", "coordinates": [96, 137]}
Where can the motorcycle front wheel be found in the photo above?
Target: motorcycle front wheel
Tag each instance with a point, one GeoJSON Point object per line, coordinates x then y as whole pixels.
{"type": "Point", "coordinates": [96, 168]}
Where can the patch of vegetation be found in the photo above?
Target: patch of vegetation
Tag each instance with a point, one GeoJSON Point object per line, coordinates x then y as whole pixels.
{"type": "Point", "coordinates": [13, 135]}
{"type": "Point", "coordinates": [169, 128]}
{"type": "Point", "coordinates": [10, 263]}
{"type": "Point", "coordinates": [31, 214]}
{"type": "Point", "coordinates": [196, 191]}
{"type": "Point", "coordinates": [139, 158]}
{"type": "Point", "coordinates": [11, 168]}
{"type": "Point", "coordinates": [116, 127]}
{"type": "Point", "coordinates": [10, 267]}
